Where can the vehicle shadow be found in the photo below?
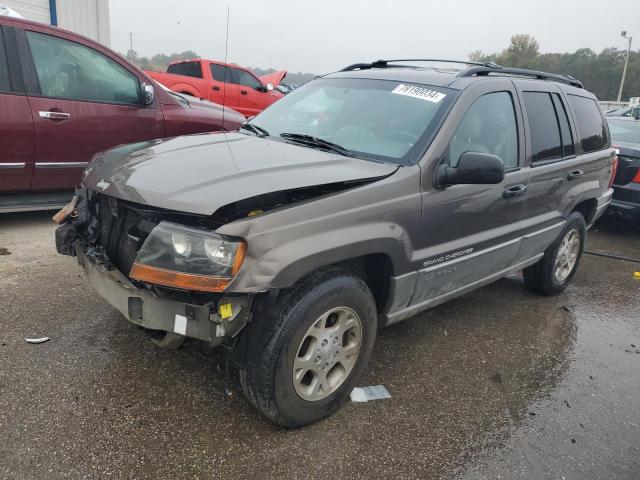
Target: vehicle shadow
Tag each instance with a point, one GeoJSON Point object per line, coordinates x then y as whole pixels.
{"type": "Point", "coordinates": [457, 373]}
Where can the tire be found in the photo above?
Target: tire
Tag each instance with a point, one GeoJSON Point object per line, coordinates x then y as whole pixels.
{"type": "Point", "coordinates": [277, 377]}
{"type": "Point", "coordinates": [542, 276]}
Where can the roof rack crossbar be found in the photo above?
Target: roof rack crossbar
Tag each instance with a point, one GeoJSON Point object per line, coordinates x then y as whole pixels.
{"type": "Point", "coordinates": [386, 63]}
{"type": "Point", "coordinates": [488, 69]}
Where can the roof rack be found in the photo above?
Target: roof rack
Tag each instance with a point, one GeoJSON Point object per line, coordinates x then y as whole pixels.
{"type": "Point", "coordinates": [476, 68]}
{"type": "Point", "coordinates": [493, 68]}
{"type": "Point", "coordinates": [386, 63]}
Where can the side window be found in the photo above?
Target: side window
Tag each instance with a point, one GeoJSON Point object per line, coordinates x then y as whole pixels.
{"type": "Point", "coordinates": [69, 70]}
{"type": "Point", "coordinates": [489, 126]}
{"type": "Point", "coordinates": [5, 84]}
{"type": "Point", "coordinates": [188, 69]}
{"type": "Point", "coordinates": [246, 79]}
{"type": "Point", "coordinates": [543, 125]}
{"type": "Point", "coordinates": [220, 73]}
{"type": "Point", "coordinates": [592, 129]}
{"type": "Point", "coordinates": [565, 130]}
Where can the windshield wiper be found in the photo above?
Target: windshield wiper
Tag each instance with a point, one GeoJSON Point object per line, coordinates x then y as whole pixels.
{"type": "Point", "coordinates": [312, 141]}
{"type": "Point", "coordinates": [259, 131]}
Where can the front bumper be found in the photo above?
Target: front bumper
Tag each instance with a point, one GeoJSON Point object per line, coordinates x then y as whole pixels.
{"type": "Point", "coordinates": [212, 323]}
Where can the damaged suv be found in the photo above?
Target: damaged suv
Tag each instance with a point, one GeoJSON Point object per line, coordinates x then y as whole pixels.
{"type": "Point", "coordinates": [356, 201]}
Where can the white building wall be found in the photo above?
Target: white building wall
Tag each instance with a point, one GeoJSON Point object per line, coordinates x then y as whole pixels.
{"type": "Point", "coordinates": [86, 17]}
{"type": "Point", "coordinates": [37, 10]}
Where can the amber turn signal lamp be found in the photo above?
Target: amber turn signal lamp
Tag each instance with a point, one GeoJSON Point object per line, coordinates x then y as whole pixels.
{"type": "Point", "coordinates": [185, 281]}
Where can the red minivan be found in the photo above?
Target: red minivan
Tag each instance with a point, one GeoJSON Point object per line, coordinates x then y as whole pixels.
{"type": "Point", "coordinates": [64, 97]}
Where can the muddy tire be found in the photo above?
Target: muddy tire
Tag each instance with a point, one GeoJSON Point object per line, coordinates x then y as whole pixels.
{"type": "Point", "coordinates": [315, 347]}
{"type": "Point", "coordinates": [553, 272]}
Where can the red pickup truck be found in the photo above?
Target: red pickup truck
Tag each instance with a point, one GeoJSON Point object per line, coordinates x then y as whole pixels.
{"type": "Point", "coordinates": [64, 98]}
{"type": "Point", "coordinates": [226, 84]}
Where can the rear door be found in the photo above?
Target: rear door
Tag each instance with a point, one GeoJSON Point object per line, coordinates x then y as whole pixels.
{"type": "Point", "coordinates": [224, 91]}
{"type": "Point", "coordinates": [557, 172]}
{"type": "Point", "coordinates": [83, 100]}
{"type": "Point", "coordinates": [17, 140]}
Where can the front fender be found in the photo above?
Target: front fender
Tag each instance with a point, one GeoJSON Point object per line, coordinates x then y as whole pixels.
{"type": "Point", "coordinates": [283, 265]}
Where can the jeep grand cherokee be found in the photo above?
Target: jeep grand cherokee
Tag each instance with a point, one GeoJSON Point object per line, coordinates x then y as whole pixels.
{"type": "Point", "coordinates": [356, 201]}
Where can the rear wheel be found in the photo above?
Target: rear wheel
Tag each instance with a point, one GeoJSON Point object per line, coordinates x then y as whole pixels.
{"type": "Point", "coordinates": [554, 271]}
{"type": "Point", "coordinates": [318, 345]}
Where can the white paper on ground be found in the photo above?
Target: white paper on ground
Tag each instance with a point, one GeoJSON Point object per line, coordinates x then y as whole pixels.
{"type": "Point", "coordinates": [37, 340]}
{"type": "Point", "coordinates": [180, 325]}
{"type": "Point", "coordinates": [374, 392]}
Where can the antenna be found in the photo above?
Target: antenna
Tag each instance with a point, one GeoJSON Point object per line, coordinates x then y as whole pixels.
{"type": "Point", "coordinates": [226, 69]}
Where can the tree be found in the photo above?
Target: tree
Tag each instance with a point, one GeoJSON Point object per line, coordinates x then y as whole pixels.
{"type": "Point", "coordinates": [600, 73]}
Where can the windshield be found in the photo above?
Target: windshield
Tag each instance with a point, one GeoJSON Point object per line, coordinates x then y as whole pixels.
{"type": "Point", "coordinates": [628, 132]}
{"type": "Point", "coordinates": [372, 119]}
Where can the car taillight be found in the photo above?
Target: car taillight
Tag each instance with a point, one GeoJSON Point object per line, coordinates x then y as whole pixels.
{"type": "Point", "coordinates": [614, 168]}
{"type": "Point", "coordinates": [636, 179]}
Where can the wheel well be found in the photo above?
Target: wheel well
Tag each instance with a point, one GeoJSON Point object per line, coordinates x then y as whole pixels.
{"type": "Point", "coordinates": [376, 270]}
{"type": "Point", "coordinates": [587, 208]}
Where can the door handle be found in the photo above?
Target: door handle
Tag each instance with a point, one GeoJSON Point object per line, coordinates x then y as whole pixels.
{"type": "Point", "coordinates": [515, 191]}
{"type": "Point", "coordinates": [243, 92]}
{"type": "Point", "coordinates": [216, 88]}
{"type": "Point", "coordinates": [54, 115]}
{"type": "Point", "coordinates": [575, 174]}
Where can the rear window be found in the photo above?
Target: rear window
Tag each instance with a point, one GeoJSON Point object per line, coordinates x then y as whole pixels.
{"type": "Point", "coordinates": [546, 143]}
{"type": "Point", "coordinates": [592, 130]}
{"type": "Point", "coordinates": [5, 86]}
{"type": "Point", "coordinates": [624, 131]}
{"type": "Point", "coordinates": [189, 69]}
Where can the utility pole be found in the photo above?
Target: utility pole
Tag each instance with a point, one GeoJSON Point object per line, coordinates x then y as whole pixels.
{"type": "Point", "coordinates": [131, 42]}
{"type": "Point", "coordinates": [623, 34]}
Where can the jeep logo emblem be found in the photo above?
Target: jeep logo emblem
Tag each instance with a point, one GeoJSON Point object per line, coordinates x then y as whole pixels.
{"type": "Point", "coordinates": [103, 185]}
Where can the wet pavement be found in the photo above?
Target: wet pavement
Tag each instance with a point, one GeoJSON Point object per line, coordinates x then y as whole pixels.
{"type": "Point", "coordinates": [500, 383]}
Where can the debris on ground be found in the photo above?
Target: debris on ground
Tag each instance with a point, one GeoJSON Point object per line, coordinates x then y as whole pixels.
{"type": "Point", "coordinates": [37, 340]}
{"type": "Point", "coordinates": [365, 394]}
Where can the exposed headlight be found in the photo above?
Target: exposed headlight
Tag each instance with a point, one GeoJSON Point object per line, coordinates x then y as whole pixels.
{"type": "Point", "coordinates": [177, 256]}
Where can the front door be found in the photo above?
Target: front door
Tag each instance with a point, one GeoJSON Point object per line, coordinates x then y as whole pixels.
{"type": "Point", "coordinates": [472, 233]}
{"type": "Point", "coordinates": [82, 102]}
{"type": "Point", "coordinates": [253, 95]}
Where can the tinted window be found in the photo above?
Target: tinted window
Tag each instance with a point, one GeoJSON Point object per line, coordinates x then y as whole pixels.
{"type": "Point", "coordinates": [543, 126]}
{"type": "Point", "coordinates": [246, 79]}
{"type": "Point", "coordinates": [489, 126]}
{"type": "Point", "coordinates": [565, 130]}
{"type": "Point", "coordinates": [220, 73]}
{"type": "Point", "coordinates": [72, 71]}
{"type": "Point", "coordinates": [189, 69]}
{"type": "Point", "coordinates": [591, 127]}
{"type": "Point", "coordinates": [5, 86]}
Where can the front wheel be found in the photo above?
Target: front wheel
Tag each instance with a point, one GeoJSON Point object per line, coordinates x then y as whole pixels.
{"type": "Point", "coordinates": [318, 345]}
{"type": "Point", "coordinates": [554, 271]}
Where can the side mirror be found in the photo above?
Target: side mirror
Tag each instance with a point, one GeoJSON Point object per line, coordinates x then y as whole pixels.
{"type": "Point", "coordinates": [472, 168]}
{"type": "Point", "coordinates": [269, 87]}
{"type": "Point", "coordinates": [148, 94]}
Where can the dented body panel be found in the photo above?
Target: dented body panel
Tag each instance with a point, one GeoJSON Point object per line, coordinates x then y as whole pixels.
{"type": "Point", "coordinates": [201, 173]}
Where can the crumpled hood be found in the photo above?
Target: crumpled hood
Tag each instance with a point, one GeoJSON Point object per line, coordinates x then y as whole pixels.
{"type": "Point", "coordinates": [274, 78]}
{"type": "Point", "coordinates": [201, 173]}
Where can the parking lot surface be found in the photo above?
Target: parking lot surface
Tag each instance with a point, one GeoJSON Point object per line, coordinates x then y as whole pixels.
{"type": "Point", "coordinates": [500, 383]}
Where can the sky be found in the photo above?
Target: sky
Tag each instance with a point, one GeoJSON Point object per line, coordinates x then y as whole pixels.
{"type": "Point", "coordinates": [322, 36]}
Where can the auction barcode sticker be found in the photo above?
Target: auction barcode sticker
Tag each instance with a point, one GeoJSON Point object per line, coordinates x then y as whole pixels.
{"type": "Point", "coordinates": [419, 92]}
